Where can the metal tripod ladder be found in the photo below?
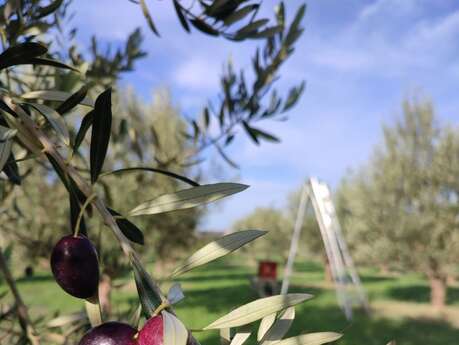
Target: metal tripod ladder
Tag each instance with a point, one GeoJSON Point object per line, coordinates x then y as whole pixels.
{"type": "Point", "coordinates": [349, 289]}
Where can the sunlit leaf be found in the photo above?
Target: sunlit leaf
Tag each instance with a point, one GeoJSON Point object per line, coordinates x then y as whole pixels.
{"type": "Point", "coordinates": [311, 339]}
{"type": "Point", "coordinates": [217, 249]}
{"type": "Point", "coordinates": [265, 325]}
{"type": "Point", "coordinates": [240, 338]}
{"type": "Point", "coordinates": [187, 198]}
{"type": "Point", "coordinates": [280, 327]}
{"type": "Point", "coordinates": [174, 332]}
{"type": "Point", "coordinates": [258, 309]}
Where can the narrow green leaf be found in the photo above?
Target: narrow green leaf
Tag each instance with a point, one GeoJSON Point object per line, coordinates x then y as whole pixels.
{"type": "Point", "coordinates": [251, 28]}
{"type": "Point", "coordinates": [181, 16]}
{"type": "Point", "coordinates": [19, 53]}
{"type": "Point", "coordinates": [187, 198]}
{"type": "Point", "coordinates": [100, 135]}
{"type": "Point", "coordinates": [130, 230]}
{"type": "Point", "coordinates": [311, 339]}
{"type": "Point", "coordinates": [55, 120]}
{"type": "Point", "coordinates": [148, 17]}
{"type": "Point", "coordinates": [155, 170]}
{"type": "Point", "coordinates": [47, 62]}
{"type": "Point", "coordinates": [204, 27]}
{"type": "Point", "coordinates": [11, 170]}
{"type": "Point", "coordinates": [145, 288]}
{"type": "Point", "coordinates": [240, 14]}
{"type": "Point", "coordinates": [6, 134]}
{"type": "Point", "coordinates": [85, 124]}
{"type": "Point", "coordinates": [73, 100]}
{"type": "Point", "coordinates": [216, 249]}
{"type": "Point", "coordinates": [258, 309]}
{"type": "Point", "coordinates": [53, 95]}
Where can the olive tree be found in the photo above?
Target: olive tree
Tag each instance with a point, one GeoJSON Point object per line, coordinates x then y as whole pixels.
{"type": "Point", "coordinates": [401, 209]}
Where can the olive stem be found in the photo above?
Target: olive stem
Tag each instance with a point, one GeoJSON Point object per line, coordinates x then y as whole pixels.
{"type": "Point", "coordinates": [80, 215]}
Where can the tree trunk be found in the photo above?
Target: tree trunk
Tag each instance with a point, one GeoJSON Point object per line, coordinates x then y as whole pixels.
{"type": "Point", "coordinates": [105, 291]}
{"type": "Point", "coordinates": [438, 290]}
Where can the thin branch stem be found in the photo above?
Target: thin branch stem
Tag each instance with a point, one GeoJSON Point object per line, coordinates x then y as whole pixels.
{"type": "Point", "coordinates": [21, 309]}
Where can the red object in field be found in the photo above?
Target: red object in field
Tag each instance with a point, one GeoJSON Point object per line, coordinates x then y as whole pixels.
{"type": "Point", "coordinates": [267, 270]}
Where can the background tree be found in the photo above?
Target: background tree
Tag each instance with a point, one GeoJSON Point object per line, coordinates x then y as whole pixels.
{"type": "Point", "coordinates": [400, 210]}
{"type": "Point", "coordinates": [277, 241]}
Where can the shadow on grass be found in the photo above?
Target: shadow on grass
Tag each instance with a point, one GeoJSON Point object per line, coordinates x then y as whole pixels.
{"type": "Point", "coordinates": [372, 330]}
{"type": "Point", "coordinates": [420, 294]}
{"type": "Point", "coordinates": [37, 277]}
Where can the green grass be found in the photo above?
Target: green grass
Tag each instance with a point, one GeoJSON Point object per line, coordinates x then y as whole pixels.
{"type": "Point", "coordinates": [216, 289]}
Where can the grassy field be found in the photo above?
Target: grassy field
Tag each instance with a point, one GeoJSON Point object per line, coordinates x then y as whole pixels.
{"type": "Point", "coordinates": [400, 304]}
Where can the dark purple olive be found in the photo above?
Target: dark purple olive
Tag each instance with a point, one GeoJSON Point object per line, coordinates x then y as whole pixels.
{"type": "Point", "coordinates": [75, 266]}
{"type": "Point", "coordinates": [110, 333]}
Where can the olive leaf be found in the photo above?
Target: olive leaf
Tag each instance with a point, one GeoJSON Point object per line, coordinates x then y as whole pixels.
{"type": "Point", "coordinates": [55, 120]}
{"type": "Point", "coordinates": [174, 331]}
{"type": "Point", "coordinates": [20, 53]}
{"type": "Point", "coordinates": [73, 100]}
{"type": "Point", "coordinates": [145, 288]}
{"type": "Point", "coordinates": [6, 134]}
{"type": "Point", "coordinates": [84, 126]}
{"type": "Point", "coordinates": [100, 135]}
{"type": "Point", "coordinates": [175, 294]}
{"type": "Point", "coordinates": [265, 325]}
{"type": "Point", "coordinates": [181, 16]}
{"type": "Point", "coordinates": [187, 198]}
{"type": "Point", "coordinates": [240, 338]}
{"type": "Point", "coordinates": [217, 249]}
{"type": "Point", "coordinates": [155, 170]}
{"type": "Point", "coordinates": [318, 338]}
{"type": "Point", "coordinates": [257, 309]}
{"type": "Point", "coordinates": [279, 328]}
{"type": "Point", "coordinates": [53, 95]}
{"type": "Point", "coordinates": [130, 230]}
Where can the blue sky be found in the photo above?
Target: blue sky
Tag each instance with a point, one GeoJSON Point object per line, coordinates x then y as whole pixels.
{"type": "Point", "coordinates": [360, 59]}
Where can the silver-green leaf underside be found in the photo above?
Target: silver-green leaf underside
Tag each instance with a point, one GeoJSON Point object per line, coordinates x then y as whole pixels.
{"type": "Point", "coordinates": [187, 198]}
{"type": "Point", "coordinates": [217, 249]}
{"type": "Point", "coordinates": [279, 328]}
{"type": "Point", "coordinates": [311, 339]}
{"type": "Point", "coordinates": [55, 120]}
{"type": "Point", "coordinates": [240, 338]}
{"type": "Point", "coordinates": [175, 333]}
{"type": "Point", "coordinates": [258, 309]}
{"type": "Point", "coordinates": [265, 325]}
